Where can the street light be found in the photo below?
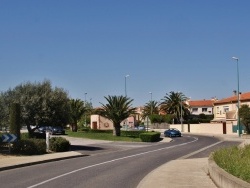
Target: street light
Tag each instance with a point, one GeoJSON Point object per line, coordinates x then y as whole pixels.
{"type": "Point", "coordinates": [181, 112]}
{"type": "Point", "coordinates": [126, 85]}
{"type": "Point", "coordinates": [238, 96]}
{"type": "Point", "coordinates": [85, 109]}
{"type": "Point", "coordinates": [151, 108]}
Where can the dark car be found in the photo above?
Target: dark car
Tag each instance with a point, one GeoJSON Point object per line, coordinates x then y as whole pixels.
{"type": "Point", "coordinates": [57, 130]}
{"type": "Point", "coordinates": [172, 133]}
{"type": "Point", "coordinates": [43, 129]}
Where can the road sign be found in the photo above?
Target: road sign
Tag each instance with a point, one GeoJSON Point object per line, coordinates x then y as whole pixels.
{"type": "Point", "coordinates": [9, 138]}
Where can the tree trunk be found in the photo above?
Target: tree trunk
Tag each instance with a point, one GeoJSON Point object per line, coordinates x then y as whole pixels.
{"type": "Point", "coordinates": [117, 130]}
{"type": "Point", "coordinates": [15, 111]}
{"type": "Point", "coordinates": [73, 127]}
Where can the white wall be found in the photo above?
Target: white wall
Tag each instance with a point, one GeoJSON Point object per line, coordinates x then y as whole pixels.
{"type": "Point", "coordinates": [207, 128]}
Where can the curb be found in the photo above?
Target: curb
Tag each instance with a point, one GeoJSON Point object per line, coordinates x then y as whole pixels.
{"type": "Point", "coordinates": [221, 178]}
{"type": "Point", "coordinates": [39, 162]}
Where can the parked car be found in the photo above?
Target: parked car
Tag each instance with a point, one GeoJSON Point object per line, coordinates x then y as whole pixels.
{"type": "Point", "coordinates": [42, 129]}
{"type": "Point", "coordinates": [140, 127]}
{"type": "Point", "coordinates": [57, 130]}
{"type": "Point", "coordinates": [172, 133]}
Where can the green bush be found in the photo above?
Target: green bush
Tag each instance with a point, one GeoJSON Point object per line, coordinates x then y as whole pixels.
{"type": "Point", "coordinates": [84, 129]}
{"type": "Point", "coordinates": [150, 136]}
{"type": "Point", "coordinates": [135, 133]}
{"type": "Point", "coordinates": [25, 136]}
{"type": "Point", "coordinates": [59, 144]}
{"type": "Point", "coordinates": [29, 147]}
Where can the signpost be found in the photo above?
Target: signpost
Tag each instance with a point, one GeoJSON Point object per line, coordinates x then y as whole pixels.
{"type": "Point", "coordinates": [9, 138]}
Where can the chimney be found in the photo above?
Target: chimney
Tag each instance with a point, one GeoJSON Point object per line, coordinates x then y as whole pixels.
{"type": "Point", "coordinates": [234, 92]}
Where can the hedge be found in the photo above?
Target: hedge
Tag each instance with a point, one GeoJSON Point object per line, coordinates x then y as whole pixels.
{"type": "Point", "coordinates": [150, 136]}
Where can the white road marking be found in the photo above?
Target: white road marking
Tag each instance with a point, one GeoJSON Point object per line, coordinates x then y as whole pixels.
{"type": "Point", "coordinates": [106, 162]}
{"type": "Point", "coordinates": [198, 151]}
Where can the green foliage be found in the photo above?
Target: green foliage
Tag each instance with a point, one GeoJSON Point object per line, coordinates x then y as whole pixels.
{"type": "Point", "coordinates": [156, 118]}
{"type": "Point", "coordinates": [41, 104]}
{"type": "Point", "coordinates": [150, 136]}
{"type": "Point", "coordinates": [25, 136]}
{"type": "Point", "coordinates": [99, 131]}
{"type": "Point", "coordinates": [245, 116]}
{"type": "Point", "coordinates": [117, 109]}
{"type": "Point", "coordinates": [103, 136]}
{"type": "Point", "coordinates": [152, 107]}
{"type": "Point", "coordinates": [235, 161]}
{"type": "Point", "coordinates": [77, 110]}
{"type": "Point", "coordinates": [59, 144]}
{"type": "Point", "coordinates": [29, 147]}
{"type": "Point", "coordinates": [15, 119]}
{"type": "Point", "coordinates": [135, 133]}
{"type": "Point", "coordinates": [201, 118]}
{"type": "Point", "coordinates": [84, 129]}
{"type": "Point", "coordinates": [173, 103]}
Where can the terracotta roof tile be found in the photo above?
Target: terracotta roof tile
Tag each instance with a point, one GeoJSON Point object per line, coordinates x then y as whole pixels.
{"type": "Point", "coordinates": [233, 99]}
{"type": "Point", "coordinates": [200, 103]}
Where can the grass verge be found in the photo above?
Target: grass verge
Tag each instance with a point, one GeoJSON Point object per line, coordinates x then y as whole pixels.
{"type": "Point", "coordinates": [234, 160]}
{"type": "Point", "coordinates": [102, 136]}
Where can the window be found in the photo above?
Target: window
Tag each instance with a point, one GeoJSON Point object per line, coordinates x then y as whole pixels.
{"type": "Point", "coordinates": [225, 109]}
{"type": "Point", "coordinates": [218, 110]}
{"type": "Point", "coordinates": [194, 109]}
{"type": "Point", "coordinates": [204, 109]}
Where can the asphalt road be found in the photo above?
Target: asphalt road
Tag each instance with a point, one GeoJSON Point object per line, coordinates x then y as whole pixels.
{"type": "Point", "coordinates": [110, 165]}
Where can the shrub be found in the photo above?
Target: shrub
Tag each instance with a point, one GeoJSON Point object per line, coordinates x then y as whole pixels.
{"type": "Point", "coordinates": [135, 133]}
{"type": "Point", "coordinates": [25, 136]}
{"type": "Point", "coordinates": [29, 147]}
{"type": "Point", "coordinates": [59, 144]}
{"type": "Point", "coordinates": [150, 136]}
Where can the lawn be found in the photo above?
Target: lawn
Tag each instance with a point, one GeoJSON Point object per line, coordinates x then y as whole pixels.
{"type": "Point", "coordinates": [103, 136]}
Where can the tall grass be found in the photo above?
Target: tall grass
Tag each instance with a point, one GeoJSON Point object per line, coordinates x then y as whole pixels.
{"type": "Point", "coordinates": [234, 160]}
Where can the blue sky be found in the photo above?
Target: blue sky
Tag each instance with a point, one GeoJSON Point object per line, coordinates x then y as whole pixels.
{"type": "Point", "coordinates": [89, 46]}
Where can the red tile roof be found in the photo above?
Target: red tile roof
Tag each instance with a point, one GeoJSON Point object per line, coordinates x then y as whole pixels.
{"type": "Point", "coordinates": [201, 103]}
{"type": "Point", "coordinates": [234, 99]}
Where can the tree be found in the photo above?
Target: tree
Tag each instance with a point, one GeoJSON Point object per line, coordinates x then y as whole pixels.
{"type": "Point", "coordinates": [15, 112]}
{"type": "Point", "coordinates": [40, 104]}
{"type": "Point", "coordinates": [244, 113]}
{"type": "Point", "coordinates": [173, 103]}
{"type": "Point", "coordinates": [150, 108]}
{"type": "Point", "coordinates": [77, 110]}
{"type": "Point", "coordinates": [116, 110]}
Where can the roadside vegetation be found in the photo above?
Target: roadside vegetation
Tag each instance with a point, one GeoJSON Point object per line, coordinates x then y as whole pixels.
{"type": "Point", "coordinates": [126, 136]}
{"type": "Point", "coordinates": [235, 160]}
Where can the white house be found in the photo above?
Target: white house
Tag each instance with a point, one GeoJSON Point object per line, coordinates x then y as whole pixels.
{"type": "Point", "coordinates": [226, 109]}
{"type": "Point", "coordinates": [201, 106]}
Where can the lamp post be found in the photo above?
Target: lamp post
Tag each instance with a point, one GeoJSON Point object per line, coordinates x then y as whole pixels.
{"type": "Point", "coordinates": [151, 107]}
{"type": "Point", "coordinates": [126, 85]}
{"type": "Point", "coordinates": [181, 113]}
{"type": "Point", "coordinates": [85, 120]}
{"type": "Point", "coordinates": [238, 96]}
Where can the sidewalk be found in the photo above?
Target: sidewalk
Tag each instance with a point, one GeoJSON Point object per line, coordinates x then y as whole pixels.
{"type": "Point", "coordinates": [10, 162]}
{"type": "Point", "coordinates": [179, 173]}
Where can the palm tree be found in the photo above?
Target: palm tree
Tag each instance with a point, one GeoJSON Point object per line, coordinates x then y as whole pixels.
{"type": "Point", "coordinates": [116, 110]}
{"type": "Point", "coordinates": [173, 103]}
{"type": "Point", "coordinates": [77, 109]}
{"type": "Point", "coordinates": [152, 107]}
